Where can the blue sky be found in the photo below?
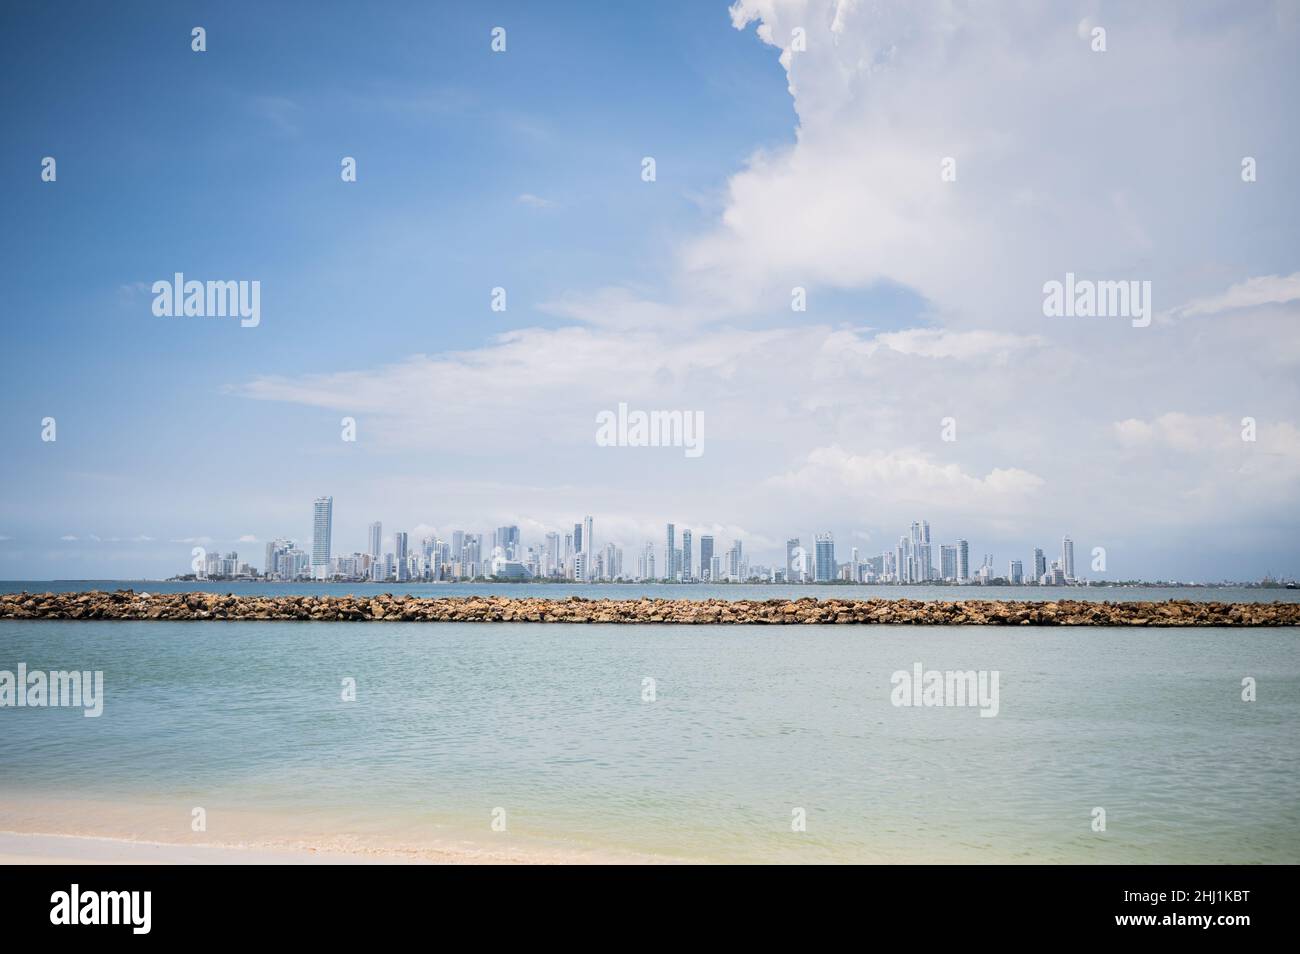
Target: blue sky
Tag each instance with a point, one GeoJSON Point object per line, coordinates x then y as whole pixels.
{"type": "Point", "coordinates": [521, 170]}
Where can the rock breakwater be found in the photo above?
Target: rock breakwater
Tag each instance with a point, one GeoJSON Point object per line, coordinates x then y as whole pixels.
{"type": "Point", "coordinates": [130, 605]}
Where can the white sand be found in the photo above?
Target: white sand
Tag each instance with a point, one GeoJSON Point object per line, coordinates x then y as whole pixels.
{"type": "Point", "coordinates": [38, 830]}
{"type": "Point", "coordinates": [20, 849]}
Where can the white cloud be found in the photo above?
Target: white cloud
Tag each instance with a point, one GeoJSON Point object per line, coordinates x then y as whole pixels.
{"type": "Point", "coordinates": [536, 201]}
{"type": "Point", "coordinates": [910, 477]}
{"type": "Point", "coordinates": [1253, 292]}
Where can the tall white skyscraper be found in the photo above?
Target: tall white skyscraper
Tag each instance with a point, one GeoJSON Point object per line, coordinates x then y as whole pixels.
{"type": "Point", "coordinates": [947, 562]}
{"type": "Point", "coordinates": [322, 524]}
{"type": "Point", "coordinates": [376, 539]}
{"type": "Point", "coordinates": [963, 561]}
{"type": "Point", "coordinates": [552, 553]}
{"type": "Point", "coordinates": [1067, 559]}
{"type": "Point", "coordinates": [686, 554]}
{"type": "Point", "coordinates": [400, 556]}
{"type": "Point", "coordinates": [589, 548]}
{"type": "Point", "coordinates": [670, 546]}
{"type": "Point", "coordinates": [825, 554]}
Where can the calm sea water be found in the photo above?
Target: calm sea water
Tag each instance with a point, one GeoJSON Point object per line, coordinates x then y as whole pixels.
{"type": "Point", "coordinates": [748, 724]}
{"type": "Point", "coordinates": [730, 591]}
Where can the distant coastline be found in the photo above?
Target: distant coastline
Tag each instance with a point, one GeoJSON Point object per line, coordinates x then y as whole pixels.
{"type": "Point", "coordinates": [492, 581]}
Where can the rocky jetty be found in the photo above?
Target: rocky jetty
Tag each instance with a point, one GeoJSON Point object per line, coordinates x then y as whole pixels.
{"type": "Point", "coordinates": [129, 605]}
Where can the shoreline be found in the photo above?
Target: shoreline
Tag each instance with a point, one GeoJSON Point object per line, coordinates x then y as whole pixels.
{"type": "Point", "coordinates": [50, 848]}
{"type": "Point", "coordinates": [207, 606]}
{"type": "Point", "coordinates": [53, 829]}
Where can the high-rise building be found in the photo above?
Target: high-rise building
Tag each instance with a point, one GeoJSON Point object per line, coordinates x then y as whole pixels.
{"type": "Point", "coordinates": [670, 548]}
{"type": "Point", "coordinates": [507, 538]}
{"type": "Point", "coordinates": [1067, 559]}
{"type": "Point", "coordinates": [1016, 573]}
{"type": "Point", "coordinates": [735, 568]}
{"type": "Point", "coordinates": [577, 538]}
{"type": "Point", "coordinates": [552, 558]}
{"type": "Point", "coordinates": [963, 561]}
{"type": "Point", "coordinates": [471, 556]}
{"type": "Point", "coordinates": [686, 554]}
{"type": "Point", "coordinates": [322, 525]}
{"type": "Point", "coordinates": [613, 562]}
{"type": "Point", "coordinates": [1040, 565]}
{"type": "Point", "coordinates": [706, 557]}
{"type": "Point", "coordinates": [825, 557]}
{"type": "Point", "coordinates": [376, 539]}
{"type": "Point", "coordinates": [791, 546]}
{"type": "Point", "coordinates": [400, 556]}
{"type": "Point", "coordinates": [948, 562]}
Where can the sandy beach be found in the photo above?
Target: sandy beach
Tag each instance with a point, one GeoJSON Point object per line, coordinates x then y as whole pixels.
{"type": "Point", "coordinates": [17, 848]}
{"type": "Point", "coordinates": [62, 831]}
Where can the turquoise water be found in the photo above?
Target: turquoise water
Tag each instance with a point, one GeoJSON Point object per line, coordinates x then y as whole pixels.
{"type": "Point", "coordinates": [678, 591]}
{"type": "Point", "coordinates": [748, 724]}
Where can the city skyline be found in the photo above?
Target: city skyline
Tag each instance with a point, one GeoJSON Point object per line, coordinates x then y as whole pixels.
{"type": "Point", "coordinates": [506, 554]}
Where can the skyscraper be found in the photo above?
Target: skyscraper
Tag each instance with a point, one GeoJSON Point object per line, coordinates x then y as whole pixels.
{"type": "Point", "coordinates": [791, 546]}
{"type": "Point", "coordinates": [825, 565]}
{"type": "Point", "coordinates": [686, 554]}
{"type": "Point", "coordinates": [589, 546]}
{"type": "Point", "coordinates": [552, 553]}
{"type": "Point", "coordinates": [1040, 565]}
{"type": "Point", "coordinates": [963, 561]}
{"type": "Point", "coordinates": [400, 554]}
{"type": "Point", "coordinates": [376, 539]}
{"type": "Point", "coordinates": [735, 568]}
{"type": "Point", "coordinates": [670, 571]}
{"type": "Point", "coordinates": [507, 538]}
{"type": "Point", "coordinates": [1067, 558]}
{"type": "Point", "coordinates": [706, 557]}
{"type": "Point", "coordinates": [322, 524]}
{"type": "Point", "coordinates": [947, 562]}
